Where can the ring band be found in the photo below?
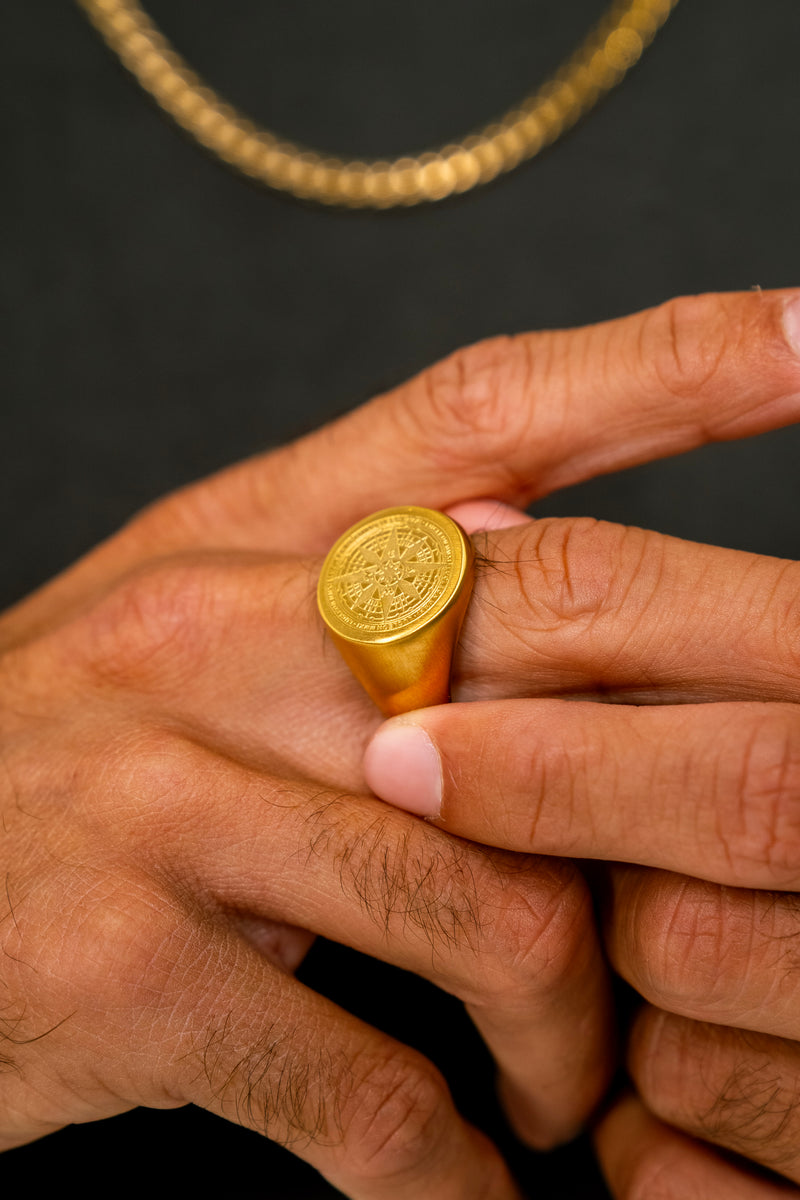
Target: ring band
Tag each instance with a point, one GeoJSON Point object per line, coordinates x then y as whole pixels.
{"type": "Point", "coordinates": [393, 592]}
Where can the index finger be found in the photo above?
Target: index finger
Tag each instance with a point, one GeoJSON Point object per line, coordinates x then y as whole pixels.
{"type": "Point", "coordinates": [519, 417]}
{"type": "Point", "coordinates": [512, 417]}
{"type": "Point", "coordinates": [375, 1117]}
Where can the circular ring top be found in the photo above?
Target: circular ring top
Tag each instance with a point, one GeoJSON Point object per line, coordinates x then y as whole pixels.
{"type": "Point", "coordinates": [393, 573]}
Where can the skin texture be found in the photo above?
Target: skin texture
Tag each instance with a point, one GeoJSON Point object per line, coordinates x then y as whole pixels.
{"type": "Point", "coordinates": [644, 1159]}
{"type": "Point", "coordinates": [708, 790]}
{"type": "Point", "coordinates": [183, 800]}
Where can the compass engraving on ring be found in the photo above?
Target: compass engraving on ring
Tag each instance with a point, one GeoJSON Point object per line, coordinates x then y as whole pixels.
{"type": "Point", "coordinates": [390, 573]}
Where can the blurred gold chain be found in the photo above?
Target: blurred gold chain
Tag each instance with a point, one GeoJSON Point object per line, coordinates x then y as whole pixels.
{"type": "Point", "coordinates": [600, 62]}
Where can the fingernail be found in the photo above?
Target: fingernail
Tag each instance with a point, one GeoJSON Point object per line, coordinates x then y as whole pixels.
{"type": "Point", "coordinates": [791, 323]}
{"type": "Point", "coordinates": [402, 766]}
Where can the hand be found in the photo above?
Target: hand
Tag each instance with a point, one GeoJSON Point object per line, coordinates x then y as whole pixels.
{"type": "Point", "coordinates": [575, 612]}
{"type": "Point", "coordinates": [182, 794]}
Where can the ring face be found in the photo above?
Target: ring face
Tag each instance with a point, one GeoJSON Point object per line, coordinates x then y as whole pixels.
{"type": "Point", "coordinates": [392, 574]}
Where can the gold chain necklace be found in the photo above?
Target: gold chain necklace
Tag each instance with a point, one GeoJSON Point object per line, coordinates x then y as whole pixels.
{"type": "Point", "coordinates": [599, 64]}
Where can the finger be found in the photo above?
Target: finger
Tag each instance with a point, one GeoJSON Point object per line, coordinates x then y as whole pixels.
{"type": "Point", "coordinates": [642, 1158]}
{"type": "Point", "coordinates": [142, 992]}
{"type": "Point", "coordinates": [708, 790]}
{"type": "Point", "coordinates": [475, 516]}
{"type": "Point", "coordinates": [588, 608]}
{"type": "Point", "coordinates": [615, 623]}
{"type": "Point", "coordinates": [372, 1115]}
{"type": "Point", "coordinates": [514, 418]}
{"type": "Point", "coordinates": [719, 781]}
{"type": "Point", "coordinates": [717, 954]}
{"type": "Point", "coordinates": [515, 939]}
{"type": "Point", "coordinates": [736, 1089]}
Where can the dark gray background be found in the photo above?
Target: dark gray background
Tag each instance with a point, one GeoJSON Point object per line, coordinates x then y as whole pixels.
{"type": "Point", "coordinates": [163, 317]}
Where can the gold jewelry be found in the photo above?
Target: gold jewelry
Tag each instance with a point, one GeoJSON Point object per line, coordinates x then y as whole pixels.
{"type": "Point", "coordinates": [599, 64]}
{"type": "Point", "coordinates": [393, 592]}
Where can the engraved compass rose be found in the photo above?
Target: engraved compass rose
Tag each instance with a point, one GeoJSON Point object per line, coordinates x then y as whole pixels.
{"type": "Point", "coordinates": [393, 575]}
{"type": "Point", "coordinates": [393, 591]}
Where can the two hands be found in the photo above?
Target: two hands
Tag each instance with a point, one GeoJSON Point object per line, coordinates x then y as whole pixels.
{"type": "Point", "coordinates": [186, 799]}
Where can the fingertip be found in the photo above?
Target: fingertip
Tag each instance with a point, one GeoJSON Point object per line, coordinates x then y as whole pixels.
{"type": "Point", "coordinates": [475, 516]}
{"type": "Point", "coordinates": [402, 766]}
{"type": "Point", "coordinates": [541, 1127]}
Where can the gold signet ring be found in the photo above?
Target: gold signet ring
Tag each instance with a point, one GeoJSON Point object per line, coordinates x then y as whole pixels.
{"type": "Point", "coordinates": [393, 592]}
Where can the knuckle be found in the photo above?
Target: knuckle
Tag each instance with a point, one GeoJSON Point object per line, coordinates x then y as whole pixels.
{"type": "Point", "coordinates": [728, 1085]}
{"type": "Point", "coordinates": [686, 340]}
{"type": "Point", "coordinates": [116, 943]}
{"type": "Point", "coordinates": [471, 408]}
{"type": "Point", "coordinates": [152, 620]}
{"type": "Point", "coordinates": [762, 835]}
{"type": "Point", "coordinates": [141, 794]}
{"type": "Point", "coordinates": [567, 584]}
{"type": "Point", "coordinates": [168, 618]}
{"type": "Point", "coordinates": [571, 576]}
{"type": "Point", "coordinates": [539, 941]}
{"type": "Point", "coordinates": [395, 1118]}
{"type": "Point", "coordinates": [685, 957]}
{"type": "Point", "coordinates": [105, 952]}
{"type": "Point", "coordinates": [584, 569]}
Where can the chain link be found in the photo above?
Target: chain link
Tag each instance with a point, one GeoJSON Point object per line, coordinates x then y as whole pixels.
{"type": "Point", "coordinates": [599, 64]}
